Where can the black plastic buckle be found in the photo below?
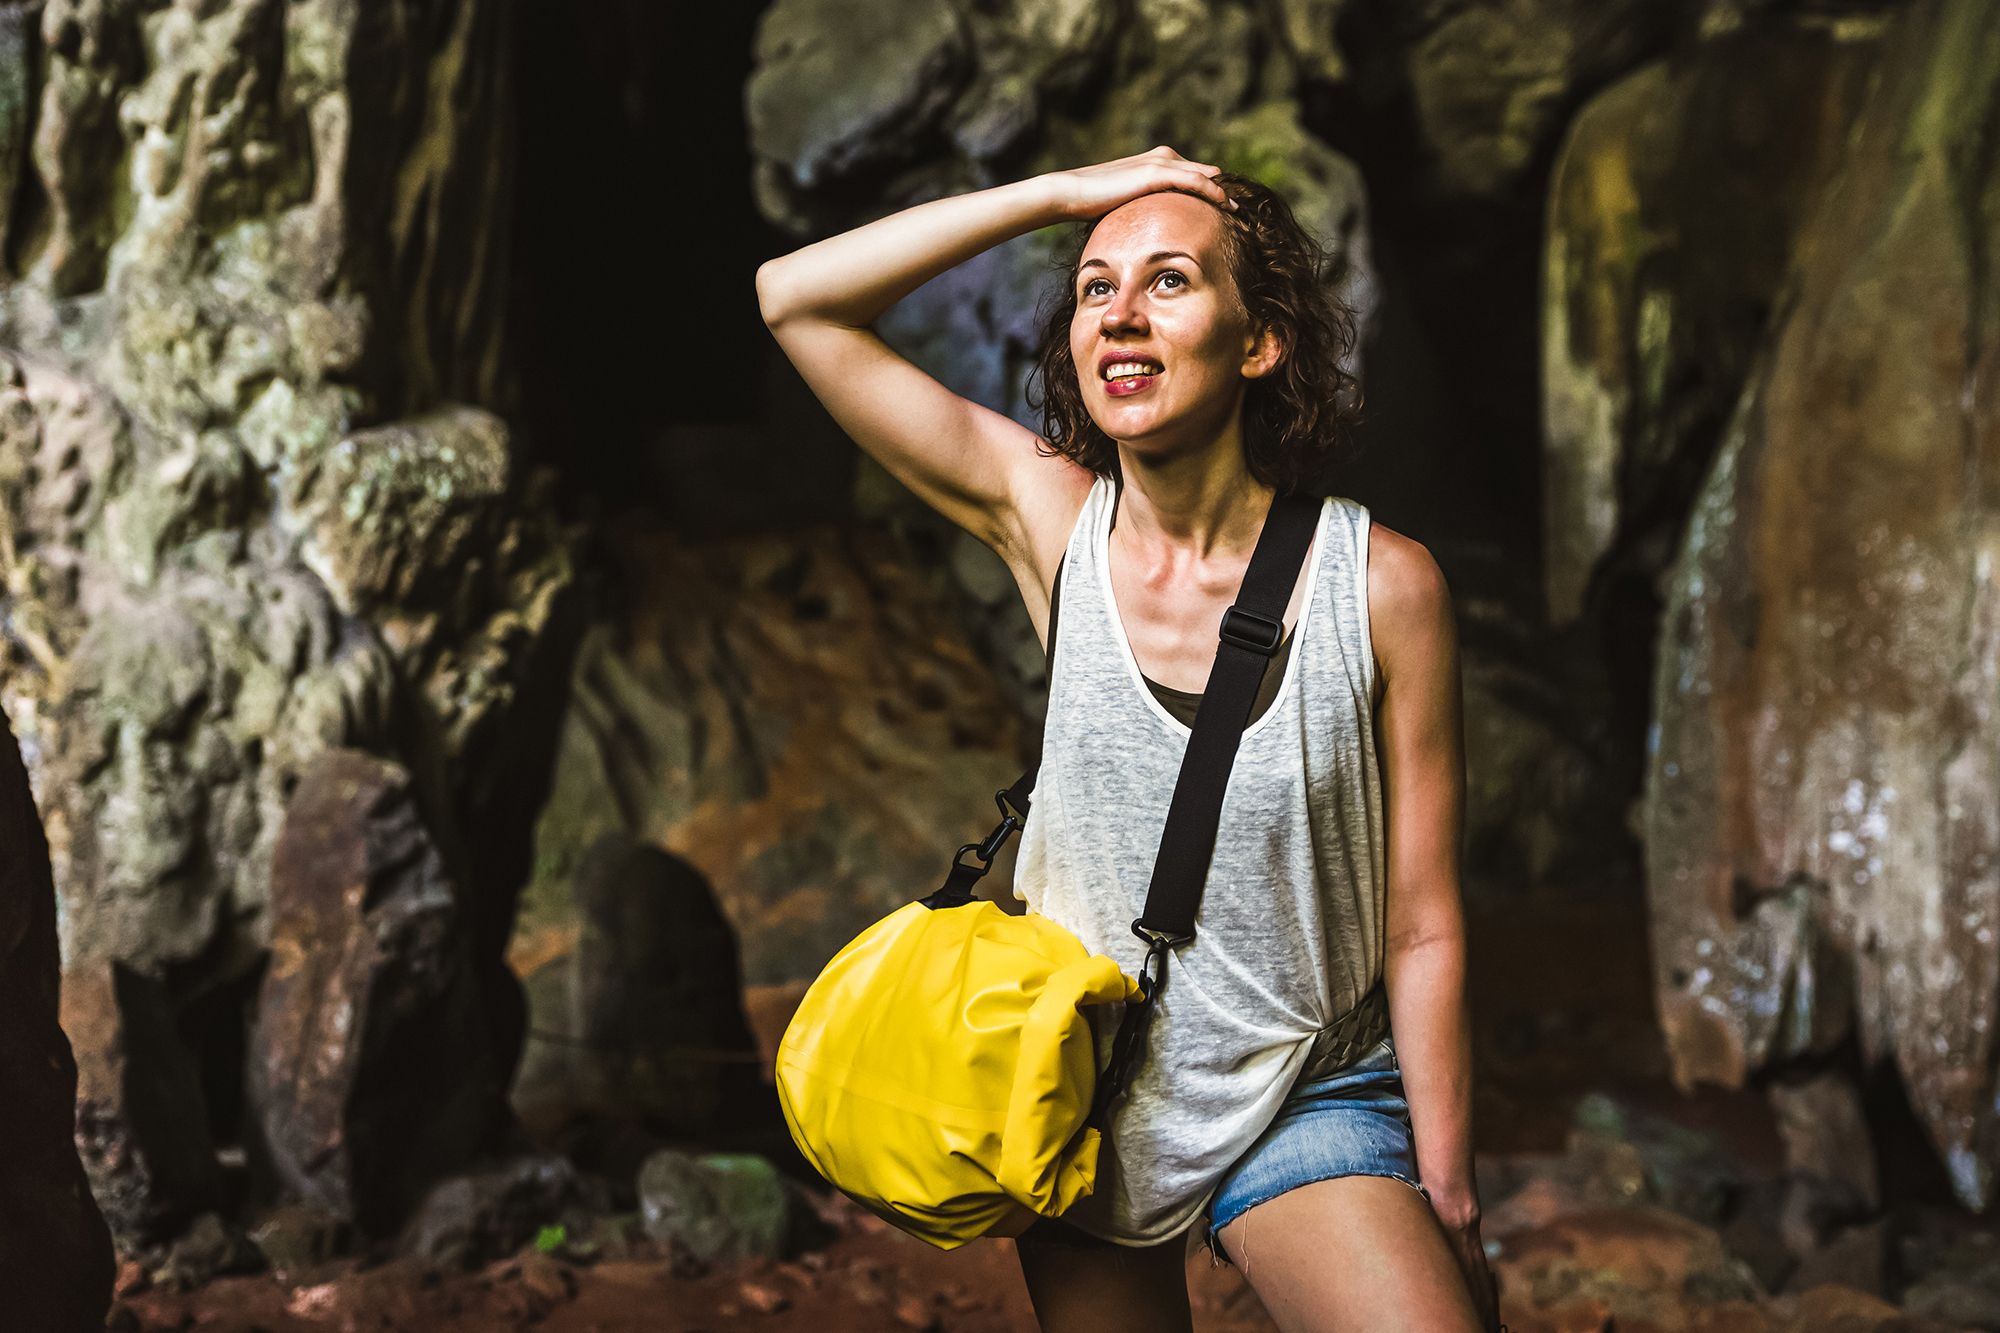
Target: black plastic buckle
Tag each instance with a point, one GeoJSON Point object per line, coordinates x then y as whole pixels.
{"type": "Point", "coordinates": [998, 838]}
{"type": "Point", "coordinates": [1247, 629]}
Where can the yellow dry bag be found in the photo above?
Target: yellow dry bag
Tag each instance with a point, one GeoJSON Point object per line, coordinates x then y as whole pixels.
{"type": "Point", "coordinates": [940, 1070]}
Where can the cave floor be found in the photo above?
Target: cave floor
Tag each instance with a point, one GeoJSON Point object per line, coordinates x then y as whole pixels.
{"type": "Point", "coordinates": [1561, 997]}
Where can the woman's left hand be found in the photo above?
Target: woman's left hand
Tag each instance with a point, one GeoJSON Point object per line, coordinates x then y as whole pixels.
{"type": "Point", "coordinates": [1470, 1252]}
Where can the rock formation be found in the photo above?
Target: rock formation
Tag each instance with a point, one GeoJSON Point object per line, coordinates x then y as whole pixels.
{"type": "Point", "coordinates": [258, 496]}
{"type": "Point", "coordinates": [372, 1071]}
{"type": "Point", "coordinates": [1823, 797]}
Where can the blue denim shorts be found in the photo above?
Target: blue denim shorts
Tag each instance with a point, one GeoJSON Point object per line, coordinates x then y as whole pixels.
{"type": "Point", "coordinates": [1353, 1123]}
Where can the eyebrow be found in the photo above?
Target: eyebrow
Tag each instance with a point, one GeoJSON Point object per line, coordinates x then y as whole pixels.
{"type": "Point", "coordinates": [1152, 258]}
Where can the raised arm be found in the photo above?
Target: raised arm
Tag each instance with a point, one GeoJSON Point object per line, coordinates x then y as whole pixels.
{"type": "Point", "coordinates": [977, 467]}
{"type": "Point", "coordinates": [960, 457]}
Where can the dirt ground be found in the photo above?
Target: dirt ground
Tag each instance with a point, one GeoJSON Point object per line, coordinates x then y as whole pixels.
{"type": "Point", "coordinates": [1561, 995]}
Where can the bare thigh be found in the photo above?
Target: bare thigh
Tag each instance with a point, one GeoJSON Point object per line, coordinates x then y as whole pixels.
{"type": "Point", "coordinates": [1350, 1253]}
{"type": "Point", "coordinates": [1091, 1290]}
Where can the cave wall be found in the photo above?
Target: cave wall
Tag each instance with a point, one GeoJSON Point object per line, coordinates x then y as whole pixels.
{"type": "Point", "coordinates": [262, 495]}
{"type": "Point", "coordinates": [1823, 801]}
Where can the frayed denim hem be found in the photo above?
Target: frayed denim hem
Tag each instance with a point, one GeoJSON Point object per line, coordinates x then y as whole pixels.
{"type": "Point", "coordinates": [1217, 1258]}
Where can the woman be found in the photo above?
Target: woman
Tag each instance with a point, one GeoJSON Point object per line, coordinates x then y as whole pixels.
{"type": "Point", "coordinates": [1191, 373]}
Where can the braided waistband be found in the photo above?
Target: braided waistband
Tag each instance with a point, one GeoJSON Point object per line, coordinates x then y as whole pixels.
{"type": "Point", "coordinates": [1353, 1034]}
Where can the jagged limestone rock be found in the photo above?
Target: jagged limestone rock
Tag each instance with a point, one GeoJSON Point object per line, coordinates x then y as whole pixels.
{"type": "Point", "coordinates": [1823, 794]}
{"type": "Point", "coordinates": [1673, 211]}
{"type": "Point", "coordinates": [258, 493]}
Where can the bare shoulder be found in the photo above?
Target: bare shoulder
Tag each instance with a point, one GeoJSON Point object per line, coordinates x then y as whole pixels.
{"type": "Point", "coordinates": [1409, 603]}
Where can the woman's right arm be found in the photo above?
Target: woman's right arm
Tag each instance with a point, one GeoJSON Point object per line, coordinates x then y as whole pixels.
{"type": "Point", "coordinates": [963, 459]}
{"type": "Point", "coordinates": [977, 467]}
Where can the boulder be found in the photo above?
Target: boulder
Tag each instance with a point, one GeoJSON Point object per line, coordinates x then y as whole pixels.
{"type": "Point", "coordinates": [371, 1071]}
{"type": "Point", "coordinates": [643, 1020]}
{"type": "Point", "coordinates": [477, 1216]}
{"type": "Point", "coordinates": [721, 1207]}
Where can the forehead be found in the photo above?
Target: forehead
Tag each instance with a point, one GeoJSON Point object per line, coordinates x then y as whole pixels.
{"type": "Point", "coordinates": [1163, 220]}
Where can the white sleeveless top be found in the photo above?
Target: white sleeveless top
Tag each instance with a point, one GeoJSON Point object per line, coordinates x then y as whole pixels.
{"type": "Point", "coordinates": [1289, 934]}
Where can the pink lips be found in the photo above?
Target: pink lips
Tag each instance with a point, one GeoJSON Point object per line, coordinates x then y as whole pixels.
{"type": "Point", "coordinates": [1128, 386]}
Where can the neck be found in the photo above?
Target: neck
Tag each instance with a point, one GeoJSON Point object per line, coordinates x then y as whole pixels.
{"type": "Point", "coordinates": [1198, 509]}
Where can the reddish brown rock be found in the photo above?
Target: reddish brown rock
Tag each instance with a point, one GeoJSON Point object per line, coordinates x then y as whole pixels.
{"type": "Point", "coordinates": [1630, 1264]}
{"type": "Point", "coordinates": [141, 1119]}
{"type": "Point", "coordinates": [371, 1073]}
{"type": "Point", "coordinates": [797, 717]}
{"type": "Point", "coordinates": [56, 1265]}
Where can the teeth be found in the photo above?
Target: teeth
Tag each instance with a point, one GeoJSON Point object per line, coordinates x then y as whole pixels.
{"type": "Point", "coordinates": [1126, 369]}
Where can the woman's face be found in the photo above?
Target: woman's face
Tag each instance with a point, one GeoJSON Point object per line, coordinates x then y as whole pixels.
{"type": "Point", "coordinates": [1153, 286]}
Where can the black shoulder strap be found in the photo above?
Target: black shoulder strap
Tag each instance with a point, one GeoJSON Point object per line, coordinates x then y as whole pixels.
{"type": "Point", "coordinates": [1251, 632]}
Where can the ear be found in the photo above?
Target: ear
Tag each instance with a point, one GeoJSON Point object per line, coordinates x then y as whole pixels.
{"type": "Point", "coordinates": [1263, 353]}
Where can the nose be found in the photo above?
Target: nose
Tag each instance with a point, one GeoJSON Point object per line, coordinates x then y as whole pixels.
{"type": "Point", "coordinates": [1123, 314]}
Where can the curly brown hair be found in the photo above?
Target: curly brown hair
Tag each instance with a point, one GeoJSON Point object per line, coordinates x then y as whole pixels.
{"type": "Point", "coordinates": [1297, 420]}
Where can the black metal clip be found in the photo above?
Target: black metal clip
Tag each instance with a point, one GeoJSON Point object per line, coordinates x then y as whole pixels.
{"type": "Point", "coordinates": [987, 850]}
{"type": "Point", "coordinates": [1157, 943]}
{"type": "Point", "coordinates": [957, 888]}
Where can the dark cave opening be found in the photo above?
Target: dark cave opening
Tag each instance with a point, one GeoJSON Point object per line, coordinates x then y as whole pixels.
{"type": "Point", "coordinates": [649, 381]}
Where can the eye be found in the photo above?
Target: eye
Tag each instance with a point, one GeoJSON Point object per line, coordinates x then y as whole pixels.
{"type": "Point", "coordinates": [1164, 273]}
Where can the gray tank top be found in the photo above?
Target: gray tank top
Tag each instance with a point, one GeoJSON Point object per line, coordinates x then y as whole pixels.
{"type": "Point", "coordinates": [1288, 938]}
{"type": "Point", "coordinates": [1184, 704]}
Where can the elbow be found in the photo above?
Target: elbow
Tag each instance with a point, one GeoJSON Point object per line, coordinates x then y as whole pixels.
{"type": "Point", "coordinates": [769, 292]}
{"type": "Point", "coordinates": [1442, 936]}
